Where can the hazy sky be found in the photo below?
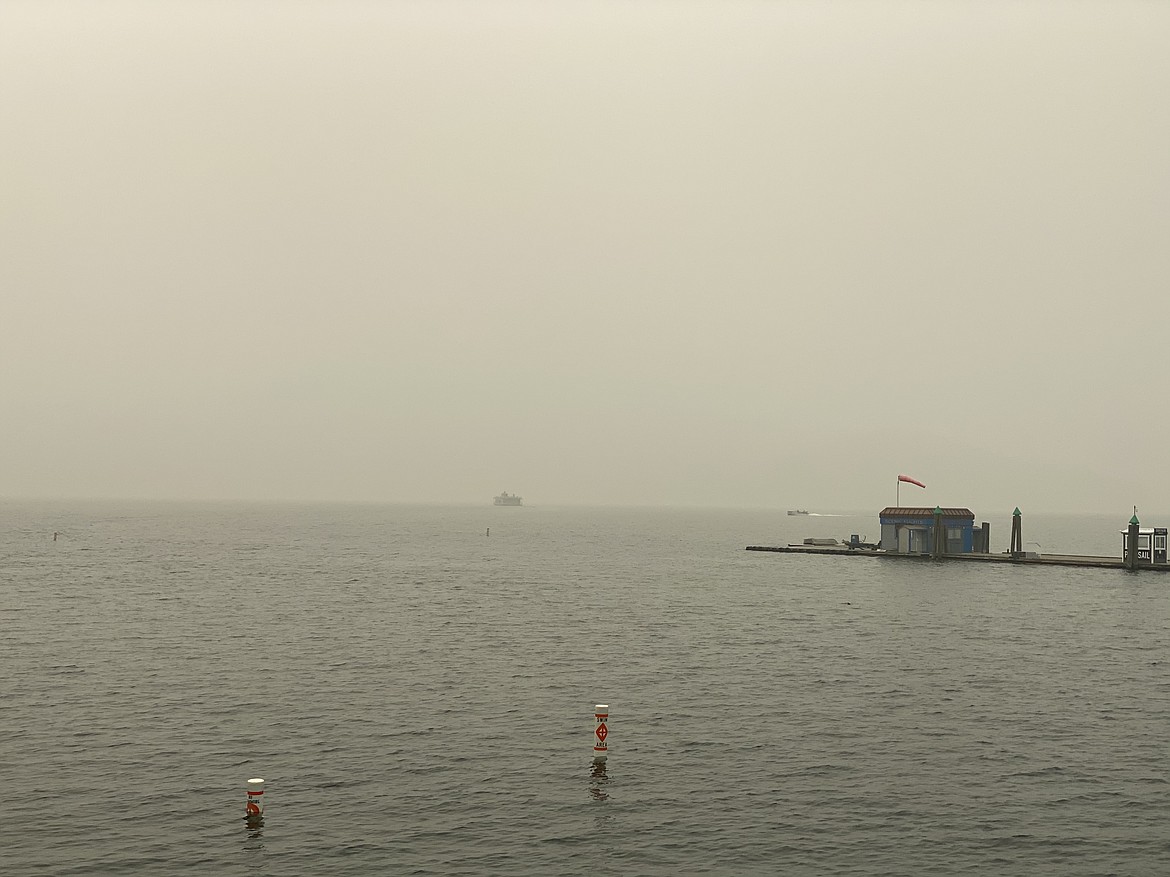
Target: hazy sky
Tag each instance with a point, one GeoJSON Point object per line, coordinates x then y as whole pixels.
{"type": "Point", "coordinates": [729, 253]}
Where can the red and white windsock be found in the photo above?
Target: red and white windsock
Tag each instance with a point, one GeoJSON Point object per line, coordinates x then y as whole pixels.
{"type": "Point", "coordinates": [908, 480]}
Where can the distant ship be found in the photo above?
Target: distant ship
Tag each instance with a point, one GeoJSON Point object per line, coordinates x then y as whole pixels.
{"type": "Point", "coordinates": [795, 511]}
{"type": "Point", "coordinates": [506, 498]}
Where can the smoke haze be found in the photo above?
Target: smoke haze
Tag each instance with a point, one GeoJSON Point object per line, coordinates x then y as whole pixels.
{"type": "Point", "coordinates": [709, 253]}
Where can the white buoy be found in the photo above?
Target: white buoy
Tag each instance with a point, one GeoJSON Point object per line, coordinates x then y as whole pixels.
{"type": "Point", "coordinates": [255, 806]}
{"type": "Point", "coordinates": [601, 732]}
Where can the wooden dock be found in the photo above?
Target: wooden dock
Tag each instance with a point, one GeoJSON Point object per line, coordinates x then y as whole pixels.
{"type": "Point", "coordinates": [1028, 559]}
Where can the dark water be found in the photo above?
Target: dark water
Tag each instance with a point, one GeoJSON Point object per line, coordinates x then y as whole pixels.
{"type": "Point", "coordinates": [419, 697]}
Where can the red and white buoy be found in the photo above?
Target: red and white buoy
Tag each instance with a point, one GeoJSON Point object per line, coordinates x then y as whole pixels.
{"type": "Point", "coordinates": [254, 809]}
{"type": "Point", "coordinates": [601, 732]}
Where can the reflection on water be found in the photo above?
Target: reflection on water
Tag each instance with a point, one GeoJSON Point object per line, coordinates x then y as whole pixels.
{"type": "Point", "coordinates": [598, 783]}
{"type": "Point", "coordinates": [254, 842]}
{"type": "Point", "coordinates": [598, 780]}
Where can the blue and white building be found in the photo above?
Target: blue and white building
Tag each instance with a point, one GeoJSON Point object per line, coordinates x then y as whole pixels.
{"type": "Point", "coordinates": [913, 529]}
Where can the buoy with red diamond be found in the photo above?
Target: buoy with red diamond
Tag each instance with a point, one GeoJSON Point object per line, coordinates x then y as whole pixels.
{"type": "Point", "coordinates": [601, 732]}
{"type": "Point", "coordinates": [254, 808]}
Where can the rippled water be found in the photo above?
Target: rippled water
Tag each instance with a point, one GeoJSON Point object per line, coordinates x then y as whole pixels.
{"type": "Point", "coordinates": [418, 695]}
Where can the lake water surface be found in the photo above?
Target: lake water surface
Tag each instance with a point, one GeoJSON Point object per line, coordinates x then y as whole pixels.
{"type": "Point", "coordinates": [418, 695]}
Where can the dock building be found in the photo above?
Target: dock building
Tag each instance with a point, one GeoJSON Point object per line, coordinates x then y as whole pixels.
{"type": "Point", "coordinates": [937, 531]}
{"type": "Point", "coordinates": [1151, 544]}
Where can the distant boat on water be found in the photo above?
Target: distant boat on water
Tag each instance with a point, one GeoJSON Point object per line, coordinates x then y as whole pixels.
{"type": "Point", "coordinates": [506, 498]}
{"type": "Point", "coordinates": [798, 511]}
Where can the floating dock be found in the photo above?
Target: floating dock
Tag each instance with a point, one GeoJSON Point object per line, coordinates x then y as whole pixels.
{"type": "Point", "coordinates": [1026, 558]}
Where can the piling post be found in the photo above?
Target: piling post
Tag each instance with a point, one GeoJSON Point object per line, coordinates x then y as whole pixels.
{"type": "Point", "coordinates": [938, 545]}
{"type": "Point", "coordinates": [254, 808]}
{"type": "Point", "coordinates": [1017, 546]}
{"type": "Point", "coordinates": [600, 732]}
{"type": "Point", "coordinates": [1131, 543]}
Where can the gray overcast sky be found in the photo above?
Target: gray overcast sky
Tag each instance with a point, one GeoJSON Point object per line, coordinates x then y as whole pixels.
{"type": "Point", "coordinates": [729, 253]}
